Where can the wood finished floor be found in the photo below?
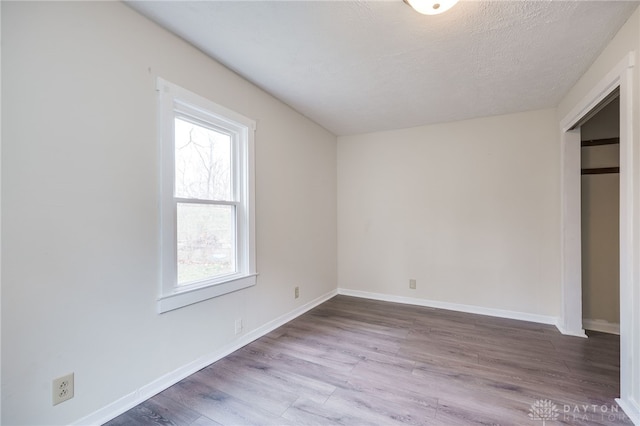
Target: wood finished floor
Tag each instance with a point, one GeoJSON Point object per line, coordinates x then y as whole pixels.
{"type": "Point", "coordinates": [361, 362]}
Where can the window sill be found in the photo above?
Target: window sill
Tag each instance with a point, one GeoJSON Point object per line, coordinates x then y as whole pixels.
{"type": "Point", "coordinates": [190, 296]}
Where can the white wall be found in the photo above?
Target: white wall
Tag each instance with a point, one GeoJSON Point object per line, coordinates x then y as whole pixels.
{"type": "Point", "coordinates": [80, 216]}
{"type": "Point", "coordinates": [469, 209]}
{"type": "Point", "coordinates": [626, 41]}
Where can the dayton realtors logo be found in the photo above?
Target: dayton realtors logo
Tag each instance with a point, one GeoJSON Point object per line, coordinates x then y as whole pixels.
{"type": "Point", "coordinates": [544, 410]}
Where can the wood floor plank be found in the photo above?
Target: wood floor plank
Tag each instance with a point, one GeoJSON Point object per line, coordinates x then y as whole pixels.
{"type": "Point", "coordinates": [242, 386]}
{"type": "Point", "coordinates": [157, 411]}
{"type": "Point", "coordinates": [204, 421]}
{"type": "Point", "coordinates": [367, 409]}
{"type": "Point", "coordinates": [219, 406]}
{"type": "Point", "coordinates": [463, 414]}
{"type": "Point", "coordinates": [354, 361]}
{"type": "Point", "coordinates": [125, 419]}
{"type": "Point", "coordinates": [409, 394]}
{"type": "Point", "coordinates": [278, 379]}
{"type": "Point", "coordinates": [304, 412]}
{"type": "Point", "coordinates": [325, 355]}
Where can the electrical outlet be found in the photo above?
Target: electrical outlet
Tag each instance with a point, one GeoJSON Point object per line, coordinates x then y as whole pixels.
{"type": "Point", "coordinates": [412, 284]}
{"type": "Point", "coordinates": [297, 292]}
{"type": "Point", "coordinates": [239, 326]}
{"type": "Point", "coordinates": [62, 388]}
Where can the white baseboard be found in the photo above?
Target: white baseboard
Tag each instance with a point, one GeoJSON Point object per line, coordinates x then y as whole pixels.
{"type": "Point", "coordinates": [129, 401]}
{"type": "Point", "coordinates": [471, 309]}
{"type": "Point", "coordinates": [576, 333]}
{"type": "Point", "coordinates": [631, 409]}
{"type": "Point", "coordinates": [601, 325]}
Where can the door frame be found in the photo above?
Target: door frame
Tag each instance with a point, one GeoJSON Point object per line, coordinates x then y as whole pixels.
{"type": "Point", "coordinates": [570, 322]}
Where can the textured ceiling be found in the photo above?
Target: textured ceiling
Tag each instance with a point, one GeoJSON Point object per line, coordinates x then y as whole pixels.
{"type": "Point", "coordinates": [364, 66]}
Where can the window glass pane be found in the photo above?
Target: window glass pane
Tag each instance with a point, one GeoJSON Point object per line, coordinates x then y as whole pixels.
{"type": "Point", "coordinates": [203, 162]}
{"type": "Point", "coordinates": [206, 241]}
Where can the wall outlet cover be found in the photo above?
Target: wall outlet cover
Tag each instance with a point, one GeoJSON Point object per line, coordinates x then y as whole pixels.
{"type": "Point", "coordinates": [62, 389]}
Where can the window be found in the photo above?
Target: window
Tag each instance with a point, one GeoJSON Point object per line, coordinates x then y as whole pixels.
{"type": "Point", "coordinates": [207, 199]}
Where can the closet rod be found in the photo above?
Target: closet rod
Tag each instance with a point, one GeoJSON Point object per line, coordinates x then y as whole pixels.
{"type": "Point", "coordinates": [601, 170]}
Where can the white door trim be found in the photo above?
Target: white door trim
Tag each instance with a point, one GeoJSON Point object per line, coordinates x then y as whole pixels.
{"type": "Point", "coordinates": [571, 317]}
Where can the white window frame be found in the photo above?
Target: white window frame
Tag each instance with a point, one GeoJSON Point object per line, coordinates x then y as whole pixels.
{"type": "Point", "coordinates": [174, 101]}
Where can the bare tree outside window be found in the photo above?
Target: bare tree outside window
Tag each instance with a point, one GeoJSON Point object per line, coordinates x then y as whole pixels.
{"type": "Point", "coordinates": [205, 231]}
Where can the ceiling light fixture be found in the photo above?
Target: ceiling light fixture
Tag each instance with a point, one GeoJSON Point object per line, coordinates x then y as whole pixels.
{"type": "Point", "coordinates": [431, 7]}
